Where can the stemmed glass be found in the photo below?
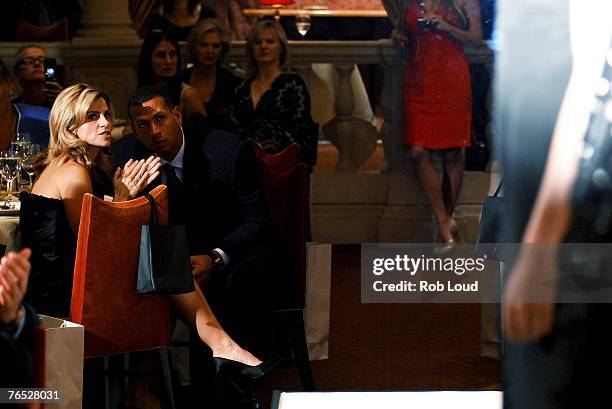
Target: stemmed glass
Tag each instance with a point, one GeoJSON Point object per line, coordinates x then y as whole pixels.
{"type": "Point", "coordinates": [302, 24]}
{"type": "Point", "coordinates": [10, 167]}
{"type": "Point", "coordinates": [28, 163]}
{"type": "Point", "coordinates": [21, 147]}
{"type": "Point", "coordinates": [21, 144]}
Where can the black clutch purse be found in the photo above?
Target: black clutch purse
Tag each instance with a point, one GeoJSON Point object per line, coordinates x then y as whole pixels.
{"type": "Point", "coordinates": [163, 265]}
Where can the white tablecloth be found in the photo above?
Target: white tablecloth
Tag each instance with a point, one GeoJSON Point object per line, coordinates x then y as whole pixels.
{"type": "Point", "coordinates": [9, 232]}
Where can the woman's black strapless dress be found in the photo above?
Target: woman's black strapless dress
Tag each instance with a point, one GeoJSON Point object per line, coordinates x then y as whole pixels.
{"type": "Point", "coordinates": [46, 230]}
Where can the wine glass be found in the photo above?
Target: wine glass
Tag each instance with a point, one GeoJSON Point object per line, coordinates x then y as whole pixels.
{"type": "Point", "coordinates": [28, 164]}
{"type": "Point", "coordinates": [302, 24]}
{"type": "Point", "coordinates": [21, 147]}
{"type": "Point", "coordinates": [21, 144]}
{"type": "Point", "coordinates": [10, 167]}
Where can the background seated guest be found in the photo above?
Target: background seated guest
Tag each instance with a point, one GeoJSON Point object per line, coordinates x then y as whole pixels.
{"type": "Point", "coordinates": [17, 322]}
{"type": "Point", "coordinates": [273, 105]}
{"type": "Point", "coordinates": [75, 164]}
{"type": "Point", "coordinates": [207, 46]}
{"type": "Point", "coordinates": [160, 64]}
{"type": "Point", "coordinates": [9, 117]}
{"type": "Point", "coordinates": [29, 71]}
{"type": "Point", "coordinates": [180, 16]}
{"type": "Point", "coordinates": [19, 117]}
{"type": "Point", "coordinates": [215, 190]}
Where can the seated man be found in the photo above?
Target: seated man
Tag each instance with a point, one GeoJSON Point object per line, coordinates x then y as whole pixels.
{"type": "Point", "coordinates": [17, 322]}
{"type": "Point", "coordinates": [22, 118]}
{"type": "Point", "coordinates": [29, 70]}
{"type": "Point", "coordinates": [214, 189]}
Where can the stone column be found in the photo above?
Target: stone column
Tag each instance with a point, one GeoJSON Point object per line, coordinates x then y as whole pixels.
{"type": "Point", "coordinates": [393, 109]}
{"type": "Point", "coordinates": [108, 19]}
{"type": "Point", "coordinates": [345, 105]}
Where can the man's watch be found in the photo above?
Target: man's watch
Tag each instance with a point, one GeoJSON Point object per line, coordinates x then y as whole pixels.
{"type": "Point", "coordinates": [12, 326]}
{"type": "Point", "coordinates": [217, 260]}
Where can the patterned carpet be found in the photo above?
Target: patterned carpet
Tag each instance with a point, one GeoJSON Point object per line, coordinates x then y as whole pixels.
{"type": "Point", "coordinates": [393, 346]}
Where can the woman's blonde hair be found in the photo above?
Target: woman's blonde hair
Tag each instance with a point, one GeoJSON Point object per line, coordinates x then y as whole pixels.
{"type": "Point", "coordinates": [260, 27]}
{"type": "Point", "coordinates": [68, 113]}
{"type": "Point", "coordinates": [208, 25]}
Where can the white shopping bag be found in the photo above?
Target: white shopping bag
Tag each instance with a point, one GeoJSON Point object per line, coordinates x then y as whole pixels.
{"type": "Point", "coordinates": [316, 311]}
{"type": "Point", "coordinates": [63, 354]}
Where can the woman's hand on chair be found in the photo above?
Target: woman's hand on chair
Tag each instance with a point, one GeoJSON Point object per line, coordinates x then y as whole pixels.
{"type": "Point", "coordinates": [134, 177]}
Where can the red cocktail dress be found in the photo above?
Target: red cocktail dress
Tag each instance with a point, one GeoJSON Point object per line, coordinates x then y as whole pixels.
{"type": "Point", "coordinates": [437, 90]}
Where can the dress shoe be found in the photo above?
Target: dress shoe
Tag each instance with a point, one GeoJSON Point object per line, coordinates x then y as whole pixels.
{"type": "Point", "coordinates": [230, 367]}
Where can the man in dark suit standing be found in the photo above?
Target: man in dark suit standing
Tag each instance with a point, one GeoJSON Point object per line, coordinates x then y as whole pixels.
{"type": "Point", "coordinates": [215, 190]}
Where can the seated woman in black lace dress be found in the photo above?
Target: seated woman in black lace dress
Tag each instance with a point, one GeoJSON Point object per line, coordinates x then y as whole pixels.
{"type": "Point", "coordinates": [80, 123]}
{"type": "Point", "coordinates": [273, 105]}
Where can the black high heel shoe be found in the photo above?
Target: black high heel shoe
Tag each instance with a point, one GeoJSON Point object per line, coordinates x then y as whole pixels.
{"type": "Point", "coordinates": [228, 367]}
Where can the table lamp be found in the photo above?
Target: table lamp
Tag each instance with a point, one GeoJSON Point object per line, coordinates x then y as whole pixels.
{"type": "Point", "coordinates": [276, 5]}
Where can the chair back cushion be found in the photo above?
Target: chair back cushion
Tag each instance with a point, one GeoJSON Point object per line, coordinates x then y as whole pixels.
{"type": "Point", "coordinates": [282, 161]}
{"type": "Point", "coordinates": [27, 31]}
{"type": "Point", "coordinates": [104, 298]}
{"type": "Point", "coordinates": [287, 203]}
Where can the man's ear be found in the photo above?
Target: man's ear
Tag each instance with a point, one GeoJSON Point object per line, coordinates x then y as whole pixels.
{"type": "Point", "coordinates": [178, 114]}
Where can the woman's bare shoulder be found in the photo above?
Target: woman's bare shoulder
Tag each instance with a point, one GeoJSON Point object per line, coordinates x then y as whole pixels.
{"type": "Point", "coordinates": [60, 181]}
{"type": "Point", "coordinates": [190, 94]}
{"type": "Point", "coordinates": [72, 171]}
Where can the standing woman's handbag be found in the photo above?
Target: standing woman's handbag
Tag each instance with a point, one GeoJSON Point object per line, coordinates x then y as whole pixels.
{"type": "Point", "coordinates": [164, 265]}
{"type": "Point", "coordinates": [489, 239]}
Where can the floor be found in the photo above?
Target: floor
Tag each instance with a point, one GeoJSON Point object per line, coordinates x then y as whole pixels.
{"type": "Point", "coordinates": [393, 346]}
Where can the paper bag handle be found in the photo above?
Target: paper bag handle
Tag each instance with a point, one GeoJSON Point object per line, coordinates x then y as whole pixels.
{"type": "Point", "coordinates": [153, 208]}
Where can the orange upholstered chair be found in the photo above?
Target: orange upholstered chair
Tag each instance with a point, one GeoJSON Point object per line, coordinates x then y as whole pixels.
{"type": "Point", "coordinates": [116, 318]}
{"type": "Point", "coordinates": [104, 299]}
{"type": "Point", "coordinates": [27, 31]}
{"type": "Point", "coordinates": [288, 204]}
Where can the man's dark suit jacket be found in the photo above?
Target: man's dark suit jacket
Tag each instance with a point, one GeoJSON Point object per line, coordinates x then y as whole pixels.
{"type": "Point", "coordinates": [16, 354]}
{"type": "Point", "coordinates": [221, 201]}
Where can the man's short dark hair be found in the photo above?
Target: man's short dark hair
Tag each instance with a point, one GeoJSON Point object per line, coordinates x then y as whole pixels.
{"type": "Point", "coordinates": [146, 93]}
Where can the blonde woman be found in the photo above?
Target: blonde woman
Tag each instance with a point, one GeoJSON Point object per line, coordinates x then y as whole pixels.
{"type": "Point", "coordinates": [207, 46]}
{"type": "Point", "coordinates": [272, 105]}
{"type": "Point", "coordinates": [80, 122]}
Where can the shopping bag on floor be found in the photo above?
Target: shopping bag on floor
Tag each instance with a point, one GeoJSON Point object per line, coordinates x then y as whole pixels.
{"type": "Point", "coordinates": [318, 290]}
{"type": "Point", "coordinates": [59, 360]}
{"type": "Point", "coordinates": [164, 265]}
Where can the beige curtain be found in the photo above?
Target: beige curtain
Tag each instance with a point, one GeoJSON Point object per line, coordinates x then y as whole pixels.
{"type": "Point", "coordinates": [140, 11]}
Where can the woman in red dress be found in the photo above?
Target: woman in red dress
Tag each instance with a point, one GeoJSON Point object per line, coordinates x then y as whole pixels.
{"type": "Point", "coordinates": [438, 97]}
